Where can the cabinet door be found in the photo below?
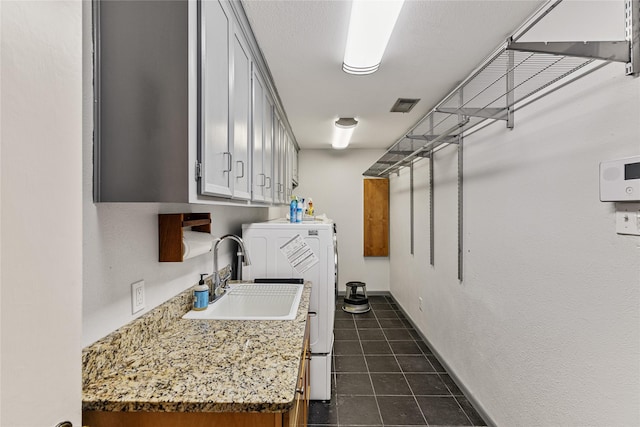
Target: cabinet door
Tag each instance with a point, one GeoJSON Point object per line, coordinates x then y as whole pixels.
{"type": "Point", "coordinates": [288, 170]}
{"type": "Point", "coordinates": [277, 180]}
{"type": "Point", "coordinates": [291, 151]}
{"type": "Point", "coordinates": [284, 195]}
{"type": "Point", "coordinates": [259, 178]}
{"type": "Point", "coordinates": [294, 165]}
{"type": "Point", "coordinates": [267, 165]}
{"type": "Point", "coordinates": [241, 96]}
{"type": "Point", "coordinates": [282, 159]}
{"type": "Point", "coordinates": [215, 152]}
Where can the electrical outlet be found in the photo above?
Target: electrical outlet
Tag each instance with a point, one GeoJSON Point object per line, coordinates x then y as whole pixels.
{"type": "Point", "coordinates": [420, 303]}
{"type": "Point", "coordinates": [137, 296]}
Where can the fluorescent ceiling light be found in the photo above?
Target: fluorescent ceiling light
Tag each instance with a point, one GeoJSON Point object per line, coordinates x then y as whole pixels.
{"type": "Point", "coordinates": [342, 132]}
{"type": "Point", "coordinates": [370, 28]}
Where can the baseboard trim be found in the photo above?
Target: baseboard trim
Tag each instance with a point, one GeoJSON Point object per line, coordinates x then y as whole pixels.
{"type": "Point", "coordinates": [476, 404]}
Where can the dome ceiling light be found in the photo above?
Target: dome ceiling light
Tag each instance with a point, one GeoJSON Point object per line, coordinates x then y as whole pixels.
{"type": "Point", "coordinates": [370, 28]}
{"type": "Point", "coordinates": [343, 131]}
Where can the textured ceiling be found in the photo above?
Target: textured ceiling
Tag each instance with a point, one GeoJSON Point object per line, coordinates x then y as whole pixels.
{"type": "Point", "coordinates": [434, 46]}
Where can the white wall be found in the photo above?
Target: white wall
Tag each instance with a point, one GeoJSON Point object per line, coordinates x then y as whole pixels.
{"type": "Point", "coordinates": [333, 179]}
{"type": "Point", "coordinates": [40, 212]}
{"type": "Point", "coordinates": [121, 247]}
{"type": "Point", "coordinates": [544, 329]}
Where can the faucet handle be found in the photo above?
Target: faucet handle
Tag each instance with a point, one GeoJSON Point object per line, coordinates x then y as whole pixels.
{"type": "Point", "coordinates": [224, 281]}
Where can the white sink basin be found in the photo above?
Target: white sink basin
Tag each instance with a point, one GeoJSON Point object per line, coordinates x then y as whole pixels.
{"type": "Point", "coordinates": [249, 301]}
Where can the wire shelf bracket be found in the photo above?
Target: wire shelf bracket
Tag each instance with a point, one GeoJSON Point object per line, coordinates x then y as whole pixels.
{"type": "Point", "coordinates": [627, 51]}
{"type": "Point", "coordinates": [617, 51]}
{"type": "Point", "coordinates": [447, 139]}
{"type": "Point", "coordinates": [513, 73]}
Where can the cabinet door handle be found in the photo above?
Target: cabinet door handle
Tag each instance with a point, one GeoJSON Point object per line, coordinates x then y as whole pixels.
{"type": "Point", "coordinates": [299, 390]}
{"type": "Point", "coordinates": [229, 161]}
{"type": "Point", "coordinates": [264, 180]}
{"type": "Point", "coordinates": [242, 164]}
{"type": "Point", "coordinates": [268, 178]}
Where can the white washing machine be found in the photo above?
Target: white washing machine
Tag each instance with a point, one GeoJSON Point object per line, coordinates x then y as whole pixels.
{"type": "Point", "coordinates": [264, 241]}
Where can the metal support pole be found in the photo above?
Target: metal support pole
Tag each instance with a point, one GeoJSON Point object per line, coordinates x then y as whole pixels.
{"type": "Point", "coordinates": [460, 164]}
{"type": "Point", "coordinates": [632, 35]}
{"type": "Point", "coordinates": [431, 213]}
{"type": "Point", "coordinates": [411, 204]}
{"type": "Point", "coordinates": [460, 206]}
{"type": "Point", "coordinates": [432, 242]}
{"type": "Point", "coordinates": [510, 88]}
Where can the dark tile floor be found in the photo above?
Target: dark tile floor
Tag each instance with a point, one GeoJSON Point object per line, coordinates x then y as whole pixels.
{"type": "Point", "coordinates": [385, 375]}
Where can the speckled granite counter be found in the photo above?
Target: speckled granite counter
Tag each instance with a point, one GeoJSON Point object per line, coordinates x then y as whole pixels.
{"type": "Point", "coordinates": [160, 362]}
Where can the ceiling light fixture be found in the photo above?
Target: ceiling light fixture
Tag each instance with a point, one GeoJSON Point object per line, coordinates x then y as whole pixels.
{"type": "Point", "coordinates": [343, 131]}
{"type": "Point", "coordinates": [370, 28]}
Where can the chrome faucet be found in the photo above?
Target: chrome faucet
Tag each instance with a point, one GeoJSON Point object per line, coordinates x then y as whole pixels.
{"type": "Point", "coordinates": [216, 276]}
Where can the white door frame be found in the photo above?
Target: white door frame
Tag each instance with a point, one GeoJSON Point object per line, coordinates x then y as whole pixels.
{"type": "Point", "coordinates": [40, 212]}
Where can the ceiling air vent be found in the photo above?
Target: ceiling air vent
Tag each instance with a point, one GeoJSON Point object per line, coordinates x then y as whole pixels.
{"type": "Point", "coordinates": [404, 105]}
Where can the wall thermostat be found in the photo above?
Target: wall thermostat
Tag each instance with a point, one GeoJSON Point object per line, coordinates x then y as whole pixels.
{"type": "Point", "coordinates": [620, 180]}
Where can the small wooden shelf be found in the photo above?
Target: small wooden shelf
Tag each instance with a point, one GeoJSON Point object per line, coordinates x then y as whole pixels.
{"type": "Point", "coordinates": [170, 232]}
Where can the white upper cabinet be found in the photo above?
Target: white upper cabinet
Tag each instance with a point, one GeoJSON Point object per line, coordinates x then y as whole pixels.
{"type": "Point", "coordinates": [241, 101]}
{"type": "Point", "coordinates": [278, 161]}
{"type": "Point", "coordinates": [225, 102]}
{"type": "Point", "coordinates": [294, 165]}
{"type": "Point", "coordinates": [177, 117]}
{"type": "Point", "coordinates": [288, 175]}
{"type": "Point", "coordinates": [267, 165]}
{"type": "Point", "coordinates": [262, 153]}
{"type": "Point", "coordinates": [216, 155]}
{"type": "Point", "coordinates": [259, 178]}
{"type": "Point", "coordinates": [291, 164]}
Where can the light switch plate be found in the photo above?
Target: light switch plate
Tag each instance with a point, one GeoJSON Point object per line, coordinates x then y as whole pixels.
{"type": "Point", "coordinates": [137, 296]}
{"type": "Point", "coordinates": [628, 218]}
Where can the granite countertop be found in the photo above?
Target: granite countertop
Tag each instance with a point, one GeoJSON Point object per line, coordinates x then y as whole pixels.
{"type": "Point", "coordinates": [161, 362]}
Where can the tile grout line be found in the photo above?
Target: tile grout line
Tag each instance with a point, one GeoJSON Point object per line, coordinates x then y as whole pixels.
{"type": "Point", "coordinates": [446, 372]}
{"type": "Point", "coordinates": [439, 375]}
{"type": "Point", "coordinates": [438, 372]}
{"type": "Point", "coordinates": [405, 376]}
{"type": "Point", "coordinates": [411, 388]}
{"type": "Point", "coordinates": [337, 408]}
{"type": "Point", "coordinates": [375, 395]}
{"type": "Point", "coordinates": [415, 399]}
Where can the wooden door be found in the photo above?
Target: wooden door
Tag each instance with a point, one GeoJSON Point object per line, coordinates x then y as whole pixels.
{"type": "Point", "coordinates": [376, 217]}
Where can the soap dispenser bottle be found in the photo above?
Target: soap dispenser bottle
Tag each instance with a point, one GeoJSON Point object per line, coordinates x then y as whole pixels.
{"type": "Point", "coordinates": [300, 210]}
{"type": "Point", "coordinates": [201, 295]}
{"type": "Point", "coordinates": [293, 209]}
